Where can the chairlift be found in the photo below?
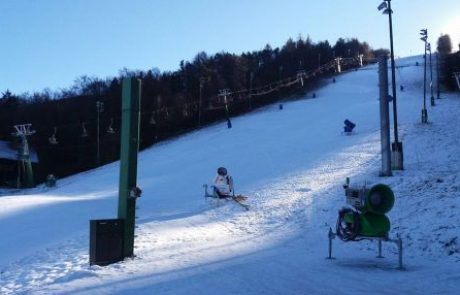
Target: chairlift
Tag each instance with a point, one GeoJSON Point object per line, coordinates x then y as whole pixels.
{"type": "Point", "coordinates": [152, 119]}
{"type": "Point", "coordinates": [185, 111]}
{"type": "Point", "coordinates": [52, 139]}
{"type": "Point", "coordinates": [220, 102]}
{"type": "Point", "coordinates": [110, 128]}
{"type": "Point", "coordinates": [84, 133]}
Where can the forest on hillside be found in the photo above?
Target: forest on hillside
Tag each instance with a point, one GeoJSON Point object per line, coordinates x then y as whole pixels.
{"type": "Point", "coordinates": [66, 120]}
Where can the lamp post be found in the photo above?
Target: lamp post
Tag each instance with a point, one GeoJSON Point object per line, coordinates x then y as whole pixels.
{"type": "Point", "coordinates": [431, 76]}
{"type": "Point", "coordinates": [396, 146]}
{"type": "Point", "coordinates": [424, 38]}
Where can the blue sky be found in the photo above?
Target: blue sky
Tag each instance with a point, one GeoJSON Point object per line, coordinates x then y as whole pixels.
{"type": "Point", "coordinates": [49, 43]}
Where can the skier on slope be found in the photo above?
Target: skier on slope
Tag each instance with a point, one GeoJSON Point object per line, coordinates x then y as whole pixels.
{"type": "Point", "coordinates": [223, 183]}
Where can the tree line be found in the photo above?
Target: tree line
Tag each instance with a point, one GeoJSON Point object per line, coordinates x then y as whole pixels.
{"type": "Point", "coordinates": [449, 62]}
{"type": "Point", "coordinates": [66, 120]}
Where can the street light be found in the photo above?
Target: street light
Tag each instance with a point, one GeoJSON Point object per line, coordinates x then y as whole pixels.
{"type": "Point", "coordinates": [431, 76]}
{"type": "Point", "coordinates": [424, 38]}
{"type": "Point", "coordinates": [396, 146]}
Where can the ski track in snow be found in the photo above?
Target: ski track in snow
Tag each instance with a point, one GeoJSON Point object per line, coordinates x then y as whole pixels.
{"type": "Point", "coordinates": [278, 247]}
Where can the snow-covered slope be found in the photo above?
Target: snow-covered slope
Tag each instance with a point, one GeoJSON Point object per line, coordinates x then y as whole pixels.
{"type": "Point", "coordinates": [292, 164]}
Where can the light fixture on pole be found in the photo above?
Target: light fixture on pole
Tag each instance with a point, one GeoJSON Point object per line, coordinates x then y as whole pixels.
{"type": "Point", "coordinates": [431, 76]}
{"type": "Point", "coordinates": [396, 146]}
{"type": "Point", "coordinates": [424, 38]}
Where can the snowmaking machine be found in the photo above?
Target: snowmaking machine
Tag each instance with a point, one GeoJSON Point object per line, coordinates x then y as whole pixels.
{"type": "Point", "coordinates": [348, 127]}
{"type": "Point", "coordinates": [364, 218]}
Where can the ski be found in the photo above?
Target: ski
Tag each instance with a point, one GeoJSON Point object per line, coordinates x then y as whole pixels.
{"type": "Point", "coordinates": [239, 200]}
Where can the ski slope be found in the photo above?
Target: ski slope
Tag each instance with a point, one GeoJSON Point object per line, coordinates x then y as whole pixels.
{"type": "Point", "coordinates": [292, 164]}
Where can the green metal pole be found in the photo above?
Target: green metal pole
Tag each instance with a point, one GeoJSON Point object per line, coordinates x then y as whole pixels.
{"type": "Point", "coordinates": [131, 94]}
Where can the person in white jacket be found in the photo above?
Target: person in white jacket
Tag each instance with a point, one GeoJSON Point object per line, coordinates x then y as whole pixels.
{"type": "Point", "coordinates": [223, 183]}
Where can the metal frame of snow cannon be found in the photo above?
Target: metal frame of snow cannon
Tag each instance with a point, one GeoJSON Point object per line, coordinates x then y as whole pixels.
{"type": "Point", "coordinates": [366, 219]}
{"type": "Point", "coordinates": [398, 241]}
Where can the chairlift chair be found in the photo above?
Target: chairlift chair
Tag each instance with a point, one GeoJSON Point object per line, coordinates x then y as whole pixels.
{"type": "Point", "coordinates": [52, 139]}
{"type": "Point", "coordinates": [84, 133]}
{"type": "Point", "coordinates": [110, 128]}
{"type": "Point", "coordinates": [152, 119]}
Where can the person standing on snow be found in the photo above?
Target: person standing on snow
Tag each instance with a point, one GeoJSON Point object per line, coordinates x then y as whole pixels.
{"type": "Point", "coordinates": [223, 183]}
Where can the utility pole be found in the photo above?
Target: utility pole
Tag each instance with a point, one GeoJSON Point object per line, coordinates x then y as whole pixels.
{"type": "Point", "coordinates": [99, 109]}
{"type": "Point", "coordinates": [24, 163]}
{"type": "Point", "coordinates": [224, 93]}
{"type": "Point", "coordinates": [424, 38]}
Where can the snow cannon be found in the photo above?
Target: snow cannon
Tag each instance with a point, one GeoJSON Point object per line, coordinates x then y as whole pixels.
{"type": "Point", "coordinates": [380, 199]}
{"type": "Point", "coordinates": [349, 126]}
{"type": "Point", "coordinates": [367, 216]}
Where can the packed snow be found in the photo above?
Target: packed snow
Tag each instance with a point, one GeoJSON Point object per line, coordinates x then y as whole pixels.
{"type": "Point", "coordinates": [291, 163]}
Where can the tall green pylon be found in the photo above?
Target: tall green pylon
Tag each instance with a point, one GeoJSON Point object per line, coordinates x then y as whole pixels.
{"type": "Point", "coordinates": [130, 107]}
{"type": "Point", "coordinates": [25, 172]}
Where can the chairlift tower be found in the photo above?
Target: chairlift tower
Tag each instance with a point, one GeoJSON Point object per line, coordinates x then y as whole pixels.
{"type": "Point", "coordinates": [99, 109]}
{"type": "Point", "coordinates": [300, 75]}
{"type": "Point", "coordinates": [224, 93]}
{"type": "Point", "coordinates": [24, 163]}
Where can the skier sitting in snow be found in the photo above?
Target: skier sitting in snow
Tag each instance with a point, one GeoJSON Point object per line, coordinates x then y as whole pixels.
{"type": "Point", "coordinates": [223, 183]}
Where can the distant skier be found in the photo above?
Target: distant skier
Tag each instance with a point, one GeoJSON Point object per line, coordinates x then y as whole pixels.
{"type": "Point", "coordinates": [223, 183]}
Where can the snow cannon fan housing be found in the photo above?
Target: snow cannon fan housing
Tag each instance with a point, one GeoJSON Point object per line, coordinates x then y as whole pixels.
{"type": "Point", "coordinates": [379, 199]}
{"type": "Point", "coordinates": [368, 218]}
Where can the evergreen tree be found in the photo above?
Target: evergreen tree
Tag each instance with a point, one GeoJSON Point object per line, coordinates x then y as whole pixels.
{"type": "Point", "coordinates": [444, 44]}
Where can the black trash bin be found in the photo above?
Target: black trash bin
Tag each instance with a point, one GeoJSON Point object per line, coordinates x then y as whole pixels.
{"type": "Point", "coordinates": [106, 241]}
